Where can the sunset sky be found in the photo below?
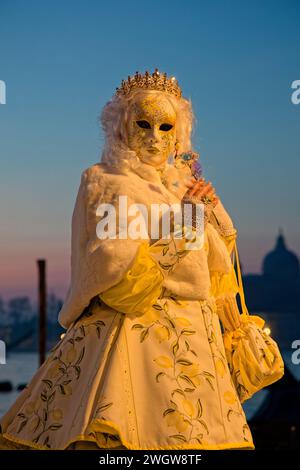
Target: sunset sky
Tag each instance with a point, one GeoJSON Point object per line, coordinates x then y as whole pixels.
{"type": "Point", "coordinates": [61, 62]}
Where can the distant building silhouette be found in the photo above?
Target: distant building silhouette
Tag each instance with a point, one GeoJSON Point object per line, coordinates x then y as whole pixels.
{"type": "Point", "coordinates": [277, 289]}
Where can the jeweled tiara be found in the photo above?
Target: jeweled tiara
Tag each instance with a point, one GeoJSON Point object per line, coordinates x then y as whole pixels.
{"type": "Point", "coordinates": [154, 81]}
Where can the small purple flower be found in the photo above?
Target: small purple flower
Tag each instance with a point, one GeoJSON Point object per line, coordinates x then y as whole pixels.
{"type": "Point", "coordinates": [196, 169]}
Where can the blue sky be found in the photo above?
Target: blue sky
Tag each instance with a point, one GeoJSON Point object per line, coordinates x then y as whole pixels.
{"type": "Point", "coordinates": [61, 62]}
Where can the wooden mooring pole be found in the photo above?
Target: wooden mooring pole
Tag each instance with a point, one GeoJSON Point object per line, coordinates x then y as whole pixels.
{"type": "Point", "coordinates": [42, 309]}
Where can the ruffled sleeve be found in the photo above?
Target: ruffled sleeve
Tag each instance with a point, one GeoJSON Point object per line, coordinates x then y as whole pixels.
{"type": "Point", "coordinates": [224, 284]}
{"type": "Point", "coordinates": [96, 263]}
{"type": "Point", "coordinates": [142, 284]}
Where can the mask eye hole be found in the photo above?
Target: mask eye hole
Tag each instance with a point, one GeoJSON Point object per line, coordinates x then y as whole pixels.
{"type": "Point", "coordinates": [143, 124]}
{"type": "Point", "coordinates": [165, 127]}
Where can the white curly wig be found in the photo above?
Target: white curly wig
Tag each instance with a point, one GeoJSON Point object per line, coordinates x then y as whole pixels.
{"type": "Point", "coordinates": [114, 117]}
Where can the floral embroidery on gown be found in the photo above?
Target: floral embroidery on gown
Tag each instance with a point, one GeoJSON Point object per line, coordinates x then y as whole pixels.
{"type": "Point", "coordinates": [157, 380]}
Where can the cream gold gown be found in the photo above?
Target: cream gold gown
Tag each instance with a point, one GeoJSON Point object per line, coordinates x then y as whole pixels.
{"type": "Point", "coordinates": [142, 363]}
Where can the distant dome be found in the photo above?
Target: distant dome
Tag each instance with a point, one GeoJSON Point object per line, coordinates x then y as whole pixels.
{"type": "Point", "coordinates": [281, 262]}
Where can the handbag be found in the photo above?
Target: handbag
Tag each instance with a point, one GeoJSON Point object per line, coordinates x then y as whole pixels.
{"type": "Point", "coordinates": [253, 357]}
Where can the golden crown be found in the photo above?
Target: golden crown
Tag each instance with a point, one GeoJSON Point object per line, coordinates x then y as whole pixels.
{"type": "Point", "coordinates": [154, 81]}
